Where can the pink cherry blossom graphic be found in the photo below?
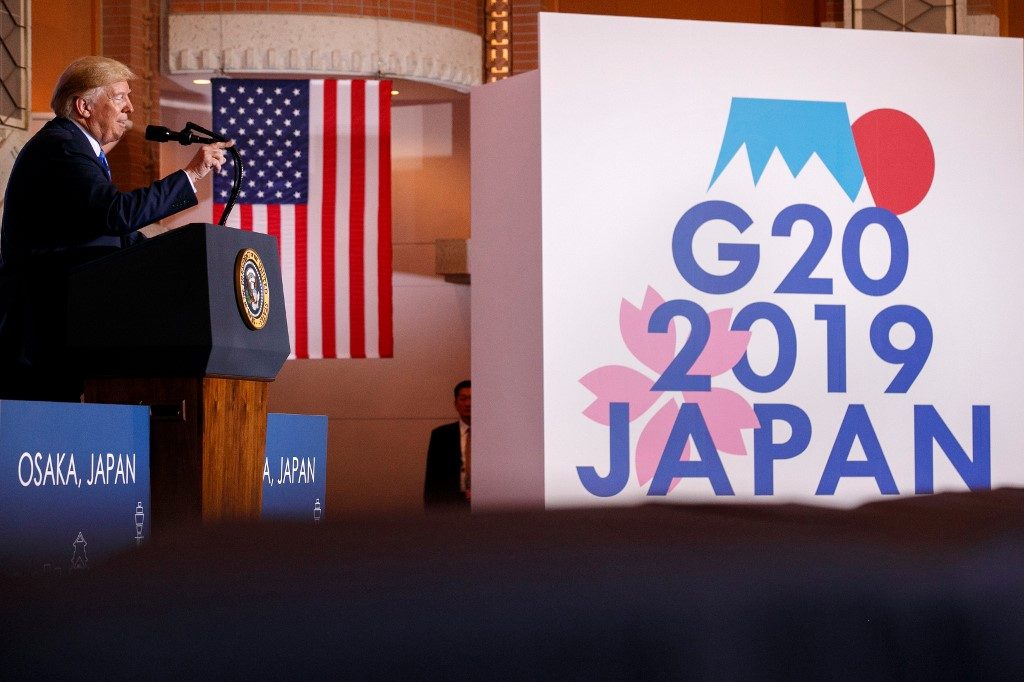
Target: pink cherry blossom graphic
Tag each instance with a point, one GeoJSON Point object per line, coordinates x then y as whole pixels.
{"type": "Point", "coordinates": [725, 412]}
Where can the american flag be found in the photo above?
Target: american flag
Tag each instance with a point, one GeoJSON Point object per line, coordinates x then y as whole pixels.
{"type": "Point", "coordinates": [317, 160]}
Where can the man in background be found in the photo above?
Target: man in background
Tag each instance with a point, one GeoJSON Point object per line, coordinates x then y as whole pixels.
{"type": "Point", "coordinates": [448, 481]}
{"type": "Point", "coordinates": [62, 209]}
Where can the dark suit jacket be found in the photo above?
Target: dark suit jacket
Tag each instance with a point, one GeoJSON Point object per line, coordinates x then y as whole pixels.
{"type": "Point", "coordinates": [59, 202]}
{"type": "Point", "coordinates": [59, 197]}
{"type": "Point", "coordinates": [444, 465]}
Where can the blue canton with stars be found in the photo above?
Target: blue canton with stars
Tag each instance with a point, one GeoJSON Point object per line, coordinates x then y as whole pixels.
{"type": "Point", "coordinates": [269, 122]}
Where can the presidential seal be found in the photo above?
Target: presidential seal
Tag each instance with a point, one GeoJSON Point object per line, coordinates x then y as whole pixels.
{"type": "Point", "coordinates": [252, 290]}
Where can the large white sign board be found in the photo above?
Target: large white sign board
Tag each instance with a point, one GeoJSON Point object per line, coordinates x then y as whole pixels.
{"type": "Point", "coordinates": [778, 263]}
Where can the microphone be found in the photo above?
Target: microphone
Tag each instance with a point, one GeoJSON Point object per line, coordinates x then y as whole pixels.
{"type": "Point", "coordinates": [184, 137]}
{"type": "Point", "coordinates": [187, 135]}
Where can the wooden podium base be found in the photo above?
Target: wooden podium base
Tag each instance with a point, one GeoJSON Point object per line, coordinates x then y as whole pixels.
{"type": "Point", "coordinates": [207, 444]}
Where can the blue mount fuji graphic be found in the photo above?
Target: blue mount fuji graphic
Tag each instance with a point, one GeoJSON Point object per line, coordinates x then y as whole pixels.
{"type": "Point", "coordinates": [797, 129]}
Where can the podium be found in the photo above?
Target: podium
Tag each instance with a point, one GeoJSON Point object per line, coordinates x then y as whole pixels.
{"type": "Point", "coordinates": [191, 323]}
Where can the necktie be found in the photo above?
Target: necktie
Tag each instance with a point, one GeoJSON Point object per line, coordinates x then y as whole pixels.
{"type": "Point", "coordinates": [467, 456]}
{"type": "Point", "coordinates": [103, 162]}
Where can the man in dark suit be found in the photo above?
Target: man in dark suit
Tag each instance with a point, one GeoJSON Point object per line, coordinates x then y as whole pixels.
{"type": "Point", "coordinates": [449, 457]}
{"type": "Point", "coordinates": [62, 209]}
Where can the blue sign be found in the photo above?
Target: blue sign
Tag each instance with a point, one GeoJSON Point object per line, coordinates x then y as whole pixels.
{"type": "Point", "coordinates": [295, 469]}
{"type": "Point", "coordinates": [74, 484]}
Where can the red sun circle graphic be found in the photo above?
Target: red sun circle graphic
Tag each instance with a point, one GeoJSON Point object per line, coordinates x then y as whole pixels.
{"type": "Point", "coordinates": [897, 158]}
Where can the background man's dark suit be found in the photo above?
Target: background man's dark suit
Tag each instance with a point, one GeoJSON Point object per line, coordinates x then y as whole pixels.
{"type": "Point", "coordinates": [444, 464]}
{"type": "Point", "coordinates": [61, 210]}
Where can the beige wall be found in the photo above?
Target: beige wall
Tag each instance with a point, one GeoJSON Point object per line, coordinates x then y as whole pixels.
{"type": "Point", "coordinates": [430, 167]}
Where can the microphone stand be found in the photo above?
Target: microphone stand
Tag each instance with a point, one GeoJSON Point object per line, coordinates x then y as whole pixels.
{"type": "Point", "coordinates": [236, 184]}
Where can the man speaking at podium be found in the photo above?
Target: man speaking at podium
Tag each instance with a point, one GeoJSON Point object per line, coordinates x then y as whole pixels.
{"type": "Point", "coordinates": [62, 209]}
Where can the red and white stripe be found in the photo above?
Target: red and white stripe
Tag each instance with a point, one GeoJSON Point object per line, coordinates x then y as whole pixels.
{"type": "Point", "coordinates": [336, 249]}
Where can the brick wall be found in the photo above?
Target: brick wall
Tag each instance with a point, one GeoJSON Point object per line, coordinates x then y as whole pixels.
{"type": "Point", "coordinates": [131, 34]}
{"type": "Point", "coordinates": [524, 33]}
